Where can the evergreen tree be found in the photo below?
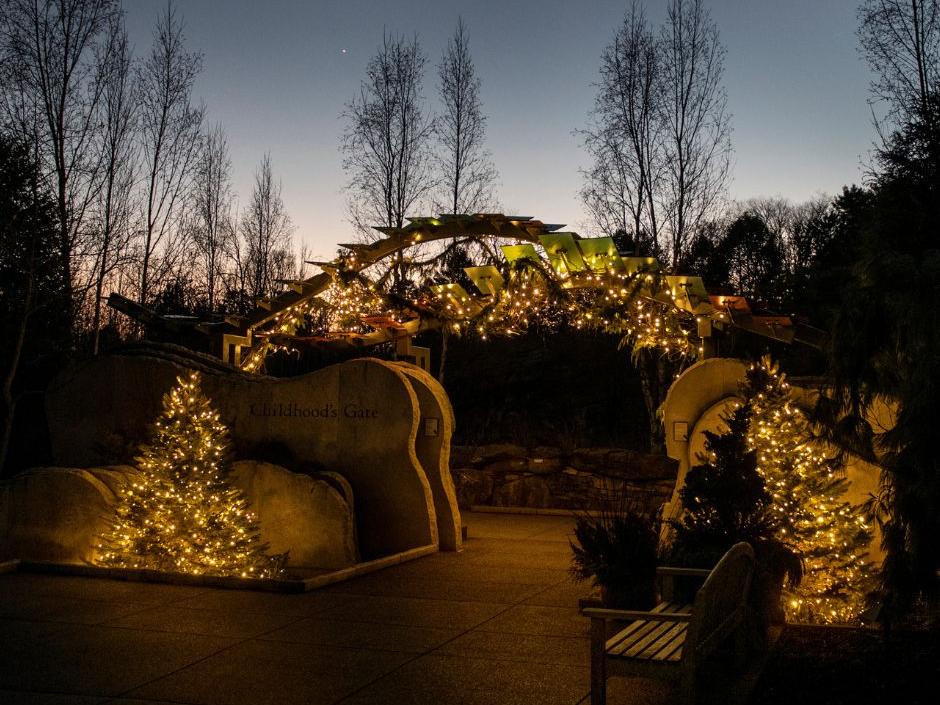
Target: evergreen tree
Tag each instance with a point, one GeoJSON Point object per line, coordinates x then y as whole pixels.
{"type": "Point", "coordinates": [182, 514]}
{"type": "Point", "coordinates": [809, 510]}
{"type": "Point", "coordinates": [725, 499]}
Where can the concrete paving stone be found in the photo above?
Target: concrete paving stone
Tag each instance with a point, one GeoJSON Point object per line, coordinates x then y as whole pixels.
{"type": "Point", "coordinates": [225, 623]}
{"type": "Point", "coordinates": [464, 570]}
{"type": "Point", "coordinates": [53, 608]}
{"type": "Point", "coordinates": [515, 526]}
{"type": "Point", "coordinates": [134, 701]}
{"type": "Point", "coordinates": [540, 620]}
{"type": "Point", "coordinates": [101, 589]}
{"type": "Point", "coordinates": [299, 604]}
{"type": "Point", "coordinates": [564, 594]}
{"type": "Point", "coordinates": [9, 697]}
{"type": "Point", "coordinates": [559, 534]}
{"type": "Point", "coordinates": [98, 660]}
{"type": "Point", "coordinates": [414, 612]}
{"type": "Point", "coordinates": [502, 681]}
{"type": "Point", "coordinates": [18, 631]}
{"type": "Point", "coordinates": [439, 589]}
{"type": "Point", "coordinates": [529, 648]}
{"type": "Point", "coordinates": [522, 561]}
{"type": "Point", "coordinates": [503, 547]}
{"type": "Point", "coordinates": [275, 673]}
{"type": "Point", "coordinates": [639, 691]}
{"type": "Point", "coordinates": [368, 635]}
{"type": "Point", "coordinates": [496, 624]}
{"type": "Point", "coordinates": [406, 694]}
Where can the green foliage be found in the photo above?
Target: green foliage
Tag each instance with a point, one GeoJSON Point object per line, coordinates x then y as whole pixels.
{"type": "Point", "coordinates": [617, 550]}
{"type": "Point", "coordinates": [30, 275]}
{"type": "Point", "coordinates": [884, 347]}
{"type": "Point", "coordinates": [810, 511]}
{"type": "Point", "coordinates": [34, 301]}
{"type": "Point", "coordinates": [725, 499]}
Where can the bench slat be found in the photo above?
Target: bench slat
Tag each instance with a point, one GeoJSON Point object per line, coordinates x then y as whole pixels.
{"type": "Point", "coordinates": [666, 645]}
{"type": "Point", "coordinates": [642, 630]}
{"type": "Point", "coordinates": [640, 645]}
{"type": "Point", "coordinates": [641, 633]}
{"type": "Point", "coordinates": [638, 624]}
{"type": "Point", "coordinates": [675, 649]}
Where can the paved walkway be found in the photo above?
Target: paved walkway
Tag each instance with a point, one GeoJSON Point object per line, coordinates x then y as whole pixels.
{"type": "Point", "coordinates": [497, 623]}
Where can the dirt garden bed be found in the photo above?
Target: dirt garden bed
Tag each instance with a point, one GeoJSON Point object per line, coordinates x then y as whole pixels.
{"type": "Point", "coordinates": [848, 666]}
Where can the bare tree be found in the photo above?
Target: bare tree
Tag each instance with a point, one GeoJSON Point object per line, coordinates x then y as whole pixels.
{"type": "Point", "coordinates": [624, 138]}
{"type": "Point", "coordinates": [901, 41]}
{"type": "Point", "coordinates": [266, 229]}
{"type": "Point", "coordinates": [697, 139]}
{"type": "Point", "coordinates": [467, 174]}
{"type": "Point", "coordinates": [117, 117]}
{"type": "Point", "coordinates": [387, 139]}
{"type": "Point", "coordinates": [170, 134]}
{"type": "Point", "coordinates": [50, 48]}
{"type": "Point", "coordinates": [212, 194]}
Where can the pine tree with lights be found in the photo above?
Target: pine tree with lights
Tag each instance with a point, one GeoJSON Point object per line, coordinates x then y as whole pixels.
{"type": "Point", "coordinates": [181, 513]}
{"type": "Point", "coordinates": [807, 491]}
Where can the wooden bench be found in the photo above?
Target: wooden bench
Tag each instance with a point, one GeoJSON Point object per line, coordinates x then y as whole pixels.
{"type": "Point", "coordinates": [671, 640]}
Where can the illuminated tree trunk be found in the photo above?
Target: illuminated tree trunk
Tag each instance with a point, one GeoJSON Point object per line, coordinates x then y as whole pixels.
{"type": "Point", "coordinates": [654, 370]}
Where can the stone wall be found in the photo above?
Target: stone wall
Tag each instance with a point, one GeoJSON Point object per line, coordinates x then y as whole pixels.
{"type": "Point", "coordinates": [547, 477]}
{"type": "Point", "coordinates": [359, 418]}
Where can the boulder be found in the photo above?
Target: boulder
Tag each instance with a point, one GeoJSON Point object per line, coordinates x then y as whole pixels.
{"type": "Point", "coordinates": [506, 465]}
{"type": "Point", "coordinates": [523, 492]}
{"type": "Point", "coordinates": [55, 514]}
{"type": "Point", "coordinates": [304, 516]}
{"type": "Point", "coordinates": [59, 514]}
{"type": "Point", "coordinates": [498, 451]}
{"type": "Point", "coordinates": [543, 466]}
{"type": "Point", "coordinates": [462, 456]}
{"type": "Point", "coordinates": [545, 452]}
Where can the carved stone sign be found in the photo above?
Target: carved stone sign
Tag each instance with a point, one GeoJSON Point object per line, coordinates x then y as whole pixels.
{"type": "Point", "coordinates": [358, 418]}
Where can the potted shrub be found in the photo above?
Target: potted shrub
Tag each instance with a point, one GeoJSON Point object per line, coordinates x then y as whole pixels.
{"type": "Point", "coordinates": [617, 549]}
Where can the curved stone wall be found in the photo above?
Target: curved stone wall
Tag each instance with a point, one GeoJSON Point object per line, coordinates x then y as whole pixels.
{"type": "Point", "coordinates": [432, 445]}
{"type": "Point", "coordinates": [359, 418]}
{"type": "Point", "coordinates": [699, 388]}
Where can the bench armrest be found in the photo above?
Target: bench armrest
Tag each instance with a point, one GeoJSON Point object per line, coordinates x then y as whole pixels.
{"type": "Point", "coordinates": [632, 615]}
{"type": "Point", "coordinates": [668, 578]}
{"type": "Point", "coordinates": [669, 570]}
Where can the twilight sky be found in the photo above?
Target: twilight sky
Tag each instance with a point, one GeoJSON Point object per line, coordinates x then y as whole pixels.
{"type": "Point", "coordinates": [276, 77]}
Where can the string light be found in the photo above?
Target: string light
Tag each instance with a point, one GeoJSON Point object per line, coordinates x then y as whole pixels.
{"type": "Point", "coordinates": [181, 513]}
{"type": "Point", "coordinates": [638, 306]}
{"type": "Point", "coordinates": [830, 534]}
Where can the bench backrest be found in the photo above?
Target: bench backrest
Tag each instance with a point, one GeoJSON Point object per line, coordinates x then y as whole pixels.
{"type": "Point", "coordinates": [719, 604]}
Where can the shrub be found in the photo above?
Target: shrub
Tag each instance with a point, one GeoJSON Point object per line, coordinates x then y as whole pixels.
{"type": "Point", "coordinates": [617, 550]}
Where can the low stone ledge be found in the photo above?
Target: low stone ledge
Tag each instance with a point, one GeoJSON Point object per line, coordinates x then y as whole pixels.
{"type": "Point", "coordinates": [546, 477]}
{"type": "Point", "coordinates": [282, 585]}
